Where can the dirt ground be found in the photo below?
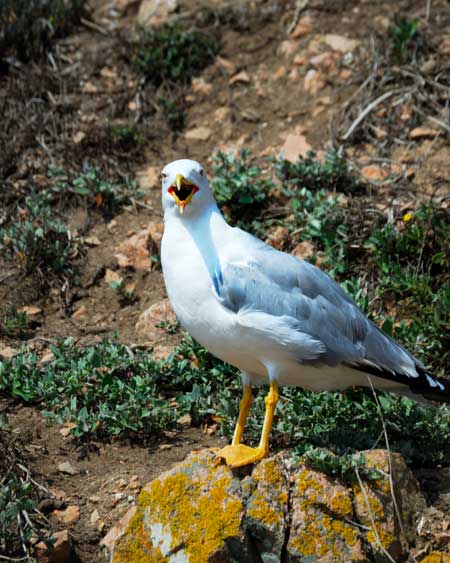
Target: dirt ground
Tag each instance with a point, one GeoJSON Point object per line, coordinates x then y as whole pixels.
{"type": "Point", "coordinates": [96, 86]}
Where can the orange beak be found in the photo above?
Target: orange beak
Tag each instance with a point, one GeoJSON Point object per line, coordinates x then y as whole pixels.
{"type": "Point", "coordinates": [182, 192]}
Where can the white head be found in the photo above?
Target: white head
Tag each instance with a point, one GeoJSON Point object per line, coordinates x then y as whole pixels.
{"type": "Point", "coordinates": [185, 188]}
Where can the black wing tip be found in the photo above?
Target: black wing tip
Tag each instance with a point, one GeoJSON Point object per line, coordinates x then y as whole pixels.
{"type": "Point", "coordinates": [426, 385]}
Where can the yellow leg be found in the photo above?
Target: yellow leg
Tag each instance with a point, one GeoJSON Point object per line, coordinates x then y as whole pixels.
{"type": "Point", "coordinates": [244, 408]}
{"type": "Point", "coordinates": [237, 454]}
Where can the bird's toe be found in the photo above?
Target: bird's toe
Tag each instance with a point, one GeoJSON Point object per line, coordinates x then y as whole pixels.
{"type": "Point", "coordinates": [240, 455]}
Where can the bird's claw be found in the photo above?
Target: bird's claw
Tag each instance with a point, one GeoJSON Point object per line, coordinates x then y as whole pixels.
{"type": "Point", "coordinates": [240, 455]}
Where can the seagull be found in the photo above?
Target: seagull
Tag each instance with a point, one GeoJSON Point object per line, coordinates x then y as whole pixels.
{"type": "Point", "coordinates": [278, 319]}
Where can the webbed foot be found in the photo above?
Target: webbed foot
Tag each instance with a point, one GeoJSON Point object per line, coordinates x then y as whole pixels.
{"type": "Point", "coordinates": [240, 455]}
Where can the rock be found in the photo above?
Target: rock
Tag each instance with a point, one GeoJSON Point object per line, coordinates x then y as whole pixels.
{"type": "Point", "coordinates": [94, 517]}
{"type": "Point", "coordinates": [288, 47]}
{"type": "Point", "coordinates": [80, 313]}
{"type": "Point", "coordinates": [155, 12]}
{"type": "Point", "coordinates": [135, 483]}
{"type": "Point", "coordinates": [149, 178]}
{"type": "Point", "coordinates": [112, 276]}
{"type": "Point", "coordinates": [155, 230]}
{"type": "Point", "coordinates": [59, 552]}
{"type": "Point", "coordinates": [31, 310]}
{"type": "Point", "coordinates": [65, 467]}
{"type": "Point", "coordinates": [340, 43]}
{"type": "Point", "coordinates": [313, 81]}
{"type": "Point", "coordinates": [374, 173]}
{"type": "Point", "coordinates": [79, 137]}
{"type": "Point", "coordinates": [222, 114]}
{"type": "Point", "coordinates": [436, 557]}
{"type": "Point", "coordinates": [241, 77]}
{"type": "Point", "coordinates": [7, 352]}
{"type": "Point", "coordinates": [92, 241]}
{"type": "Point", "coordinates": [422, 133]}
{"type": "Point", "coordinates": [135, 251]}
{"type": "Point", "coordinates": [69, 515]}
{"type": "Point", "coordinates": [200, 86]}
{"type": "Point", "coordinates": [201, 511]}
{"type": "Point", "coordinates": [304, 249]}
{"type": "Point", "coordinates": [278, 237]}
{"type": "Point", "coordinates": [321, 514]}
{"type": "Point", "coordinates": [161, 352]}
{"type": "Point", "coordinates": [89, 88]}
{"type": "Point", "coordinates": [185, 421]}
{"type": "Point", "coordinates": [226, 65]}
{"type": "Point", "coordinates": [152, 316]}
{"type": "Point", "coordinates": [295, 146]}
{"type": "Point", "coordinates": [199, 134]}
{"type": "Point", "coordinates": [303, 27]}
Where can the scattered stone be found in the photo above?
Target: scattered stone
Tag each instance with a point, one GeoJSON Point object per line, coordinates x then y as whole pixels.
{"type": "Point", "coordinates": [156, 230]}
{"type": "Point", "coordinates": [374, 173]}
{"type": "Point", "coordinates": [241, 77]}
{"type": "Point", "coordinates": [303, 250]}
{"type": "Point", "coordinates": [80, 313]}
{"type": "Point", "coordinates": [295, 146]}
{"type": "Point", "coordinates": [199, 134]}
{"type": "Point", "coordinates": [277, 237]}
{"type": "Point", "coordinates": [117, 531]}
{"type": "Point", "coordinates": [58, 494]}
{"type": "Point", "coordinates": [222, 114]}
{"type": "Point", "coordinates": [444, 47]}
{"type": "Point", "coordinates": [422, 133]}
{"type": "Point", "coordinates": [69, 515]}
{"type": "Point", "coordinates": [288, 47]}
{"type": "Point", "coordinates": [328, 60]}
{"type": "Point", "coordinates": [280, 73]}
{"type": "Point", "coordinates": [89, 88]}
{"type": "Point", "coordinates": [59, 550]}
{"type": "Point", "coordinates": [345, 74]}
{"type": "Point", "coordinates": [94, 498]}
{"type": "Point", "coordinates": [135, 251]}
{"type": "Point", "coordinates": [135, 483]}
{"type": "Point", "coordinates": [161, 352]}
{"type": "Point", "coordinates": [7, 352]}
{"type": "Point", "coordinates": [226, 65]}
{"type": "Point", "coordinates": [300, 60]}
{"type": "Point", "coordinates": [92, 241]}
{"type": "Point", "coordinates": [66, 467]}
{"type": "Point", "coordinates": [155, 12]}
{"type": "Point", "coordinates": [79, 137]}
{"type": "Point", "coordinates": [200, 86]}
{"type": "Point", "coordinates": [152, 316]}
{"type": "Point", "coordinates": [31, 310]}
{"type": "Point", "coordinates": [149, 178]}
{"type": "Point", "coordinates": [46, 358]}
{"type": "Point", "coordinates": [185, 421]}
{"type": "Point", "coordinates": [67, 429]}
{"type": "Point", "coordinates": [95, 517]}
{"type": "Point", "coordinates": [303, 27]}
{"type": "Point", "coordinates": [112, 276]}
{"type": "Point", "coordinates": [313, 81]}
{"type": "Point", "coordinates": [340, 43]}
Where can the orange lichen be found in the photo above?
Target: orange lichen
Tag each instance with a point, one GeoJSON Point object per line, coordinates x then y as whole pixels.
{"type": "Point", "coordinates": [261, 511]}
{"type": "Point", "coordinates": [191, 516]}
{"type": "Point", "coordinates": [386, 538]}
{"type": "Point", "coordinates": [341, 504]}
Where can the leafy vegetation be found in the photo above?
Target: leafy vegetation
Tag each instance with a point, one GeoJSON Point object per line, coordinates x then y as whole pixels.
{"type": "Point", "coordinates": [403, 35]}
{"type": "Point", "coordinates": [12, 321]}
{"type": "Point", "coordinates": [109, 389]}
{"type": "Point", "coordinates": [170, 54]}
{"type": "Point", "coordinates": [38, 240]}
{"type": "Point", "coordinates": [27, 27]}
{"type": "Point", "coordinates": [19, 496]}
{"type": "Point", "coordinates": [126, 135]}
{"type": "Point", "coordinates": [239, 187]}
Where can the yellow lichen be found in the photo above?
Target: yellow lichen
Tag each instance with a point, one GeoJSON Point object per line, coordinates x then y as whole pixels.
{"type": "Point", "coordinates": [385, 537]}
{"type": "Point", "coordinates": [135, 547]}
{"type": "Point", "coordinates": [199, 519]}
{"type": "Point", "coordinates": [436, 557]}
{"type": "Point", "coordinates": [261, 510]}
{"type": "Point", "coordinates": [341, 504]}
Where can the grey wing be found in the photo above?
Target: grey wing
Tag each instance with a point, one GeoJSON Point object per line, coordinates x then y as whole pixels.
{"type": "Point", "coordinates": [302, 298]}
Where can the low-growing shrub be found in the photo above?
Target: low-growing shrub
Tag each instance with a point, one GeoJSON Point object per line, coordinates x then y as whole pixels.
{"type": "Point", "coordinates": [27, 27]}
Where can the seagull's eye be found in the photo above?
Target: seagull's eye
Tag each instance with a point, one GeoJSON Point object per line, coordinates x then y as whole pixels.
{"type": "Point", "coordinates": [163, 176]}
{"type": "Point", "coordinates": [202, 172]}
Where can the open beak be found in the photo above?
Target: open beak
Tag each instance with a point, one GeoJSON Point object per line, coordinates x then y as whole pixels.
{"type": "Point", "coordinates": [182, 191]}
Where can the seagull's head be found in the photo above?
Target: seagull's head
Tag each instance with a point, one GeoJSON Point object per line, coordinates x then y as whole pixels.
{"type": "Point", "coordinates": [185, 188]}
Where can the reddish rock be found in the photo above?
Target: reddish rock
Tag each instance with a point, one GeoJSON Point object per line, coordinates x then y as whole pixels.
{"type": "Point", "coordinates": [80, 313]}
{"type": "Point", "coordinates": [59, 552]}
{"type": "Point", "coordinates": [295, 146]}
{"type": "Point", "coordinates": [155, 12]}
{"type": "Point", "coordinates": [374, 173]}
{"type": "Point", "coordinates": [152, 316]}
{"type": "Point", "coordinates": [149, 178]}
{"type": "Point", "coordinates": [135, 252]}
{"type": "Point", "coordinates": [198, 134]}
{"type": "Point", "coordinates": [340, 43]}
{"type": "Point", "coordinates": [278, 237]}
{"type": "Point", "coordinates": [69, 515]}
{"type": "Point", "coordinates": [227, 66]}
{"type": "Point", "coordinates": [200, 86]}
{"type": "Point", "coordinates": [313, 81]}
{"type": "Point", "coordinates": [304, 249]}
{"type": "Point", "coordinates": [288, 47]}
{"type": "Point", "coordinates": [422, 133]}
{"type": "Point", "coordinates": [241, 77]}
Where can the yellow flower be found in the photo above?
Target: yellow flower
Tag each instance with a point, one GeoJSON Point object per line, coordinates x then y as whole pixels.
{"type": "Point", "coordinates": [407, 217]}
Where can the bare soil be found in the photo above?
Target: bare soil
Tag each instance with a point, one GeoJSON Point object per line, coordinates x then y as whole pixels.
{"type": "Point", "coordinates": [259, 115]}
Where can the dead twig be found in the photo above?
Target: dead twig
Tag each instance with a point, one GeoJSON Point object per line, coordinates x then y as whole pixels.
{"type": "Point", "coordinates": [300, 5]}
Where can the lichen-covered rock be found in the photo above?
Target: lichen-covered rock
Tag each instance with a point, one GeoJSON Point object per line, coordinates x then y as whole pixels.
{"type": "Point", "coordinates": [322, 521]}
{"type": "Point", "coordinates": [375, 508]}
{"type": "Point", "coordinates": [202, 511]}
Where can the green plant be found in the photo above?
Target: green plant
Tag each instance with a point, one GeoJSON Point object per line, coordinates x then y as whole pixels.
{"type": "Point", "coordinates": [19, 497]}
{"type": "Point", "coordinates": [97, 191]}
{"type": "Point", "coordinates": [124, 290]}
{"type": "Point", "coordinates": [38, 240]}
{"type": "Point", "coordinates": [27, 27]}
{"type": "Point", "coordinates": [334, 174]}
{"type": "Point", "coordinates": [239, 187]}
{"type": "Point", "coordinates": [402, 36]}
{"type": "Point", "coordinates": [13, 322]}
{"type": "Point", "coordinates": [170, 54]}
{"type": "Point", "coordinates": [126, 135]}
{"type": "Point", "coordinates": [174, 113]}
